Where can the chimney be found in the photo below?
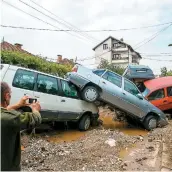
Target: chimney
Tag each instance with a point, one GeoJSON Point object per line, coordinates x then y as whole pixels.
{"type": "Point", "coordinates": [59, 58]}
{"type": "Point", "coordinates": [122, 39]}
{"type": "Point", "coordinates": [18, 45]}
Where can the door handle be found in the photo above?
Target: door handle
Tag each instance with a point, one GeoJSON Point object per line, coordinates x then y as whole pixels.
{"type": "Point", "coordinates": [104, 82]}
{"type": "Point", "coordinates": [37, 97]}
{"type": "Point", "coordinates": [123, 93]}
{"type": "Point", "coordinates": [62, 100]}
{"type": "Point", "coordinates": [164, 101]}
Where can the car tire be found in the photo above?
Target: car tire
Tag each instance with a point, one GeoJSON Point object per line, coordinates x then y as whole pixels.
{"type": "Point", "coordinates": [150, 122]}
{"type": "Point", "coordinates": [90, 94]}
{"type": "Point", "coordinates": [84, 123]}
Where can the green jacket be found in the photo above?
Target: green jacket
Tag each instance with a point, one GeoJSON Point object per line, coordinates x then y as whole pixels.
{"type": "Point", "coordinates": [11, 122]}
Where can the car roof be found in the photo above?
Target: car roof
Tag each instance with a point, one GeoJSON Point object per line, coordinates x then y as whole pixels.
{"type": "Point", "coordinates": [158, 83]}
{"type": "Point", "coordinates": [18, 67]}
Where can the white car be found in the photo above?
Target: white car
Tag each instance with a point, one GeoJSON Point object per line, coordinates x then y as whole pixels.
{"type": "Point", "coordinates": [59, 99]}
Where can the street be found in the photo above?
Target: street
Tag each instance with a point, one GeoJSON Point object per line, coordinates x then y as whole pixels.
{"type": "Point", "coordinates": [113, 146]}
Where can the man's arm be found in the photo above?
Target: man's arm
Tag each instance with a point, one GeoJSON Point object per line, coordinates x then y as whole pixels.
{"type": "Point", "coordinates": [21, 103]}
{"type": "Point", "coordinates": [30, 119]}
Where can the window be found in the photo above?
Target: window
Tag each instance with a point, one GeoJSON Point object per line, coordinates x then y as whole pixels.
{"type": "Point", "coordinates": [24, 79]}
{"type": "Point", "coordinates": [113, 78]}
{"type": "Point", "coordinates": [169, 91]}
{"type": "Point", "coordinates": [2, 67]}
{"type": "Point", "coordinates": [99, 72]}
{"type": "Point", "coordinates": [47, 84]}
{"type": "Point", "coordinates": [105, 46]}
{"type": "Point", "coordinates": [158, 94]}
{"type": "Point", "coordinates": [116, 57]}
{"type": "Point", "coordinates": [130, 87]}
{"type": "Point", "coordinates": [69, 89]}
{"type": "Point", "coordinates": [116, 45]}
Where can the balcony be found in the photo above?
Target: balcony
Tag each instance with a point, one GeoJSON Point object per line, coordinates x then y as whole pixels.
{"type": "Point", "coordinates": [123, 60]}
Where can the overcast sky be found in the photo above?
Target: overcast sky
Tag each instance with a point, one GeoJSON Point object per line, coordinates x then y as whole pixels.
{"type": "Point", "coordinates": [91, 15]}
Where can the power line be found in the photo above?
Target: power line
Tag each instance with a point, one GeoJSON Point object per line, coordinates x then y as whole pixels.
{"type": "Point", "coordinates": [67, 24]}
{"type": "Point", "coordinates": [48, 16]}
{"type": "Point", "coordinates": [155, 55]}
{"type": "Point", "coordinates": [126, 29]}
{"type": "Point", "coordinates": [151, 53]}
{"type": "Point", "coordinates": [30, 28]}
{"type": "Point", "coordinates": [154, 36]}
{"type": "Point", "coordinates": [59, 30]}
{"type": "Point", "coordinates": [36, 17]}
{"type": "Point", "coordinates": [157, 59]}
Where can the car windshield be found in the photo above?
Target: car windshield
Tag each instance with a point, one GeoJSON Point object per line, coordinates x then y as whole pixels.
{"type": "Point", "coordinates": [146, 92]}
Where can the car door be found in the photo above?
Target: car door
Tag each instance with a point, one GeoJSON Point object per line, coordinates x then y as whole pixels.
{"type": "Point", "coordinates": [158, 98]}
{"type": "Point", "coordinates": [111, 84]}
{"type": "Point", "coordinates": [132, 103]}
{"type": "Point", "coordinates": [70, 103]}
{"type": "Point", "coordinates": [46, 91]}
{"type": "Point", "coordinates": [21, 82]}
{"type": "Point", "coordinates": [169, 97]}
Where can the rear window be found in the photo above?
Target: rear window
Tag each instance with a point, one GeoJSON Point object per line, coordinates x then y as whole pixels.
{"type": "Point", "coordinates": [2, 67]}
{"type": "Point", "coordinates": [99, 72]}
{"type": "Point", "coordinates": [169, 91]}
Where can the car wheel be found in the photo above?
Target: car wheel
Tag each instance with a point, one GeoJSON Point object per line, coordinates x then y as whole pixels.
{"type": "Point", "coordinates": [90, 94]}
{"type": "Point", "coordinates": [150, 122]}
{"type": "Point", "coordinates": [84, 123]}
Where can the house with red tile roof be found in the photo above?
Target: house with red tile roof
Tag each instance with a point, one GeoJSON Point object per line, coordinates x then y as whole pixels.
{"type": "Point", "coordinates": [6, 46]}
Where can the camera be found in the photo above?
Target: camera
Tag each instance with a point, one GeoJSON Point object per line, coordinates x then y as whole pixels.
{"type": "Point", "coordinates": [31, 100]}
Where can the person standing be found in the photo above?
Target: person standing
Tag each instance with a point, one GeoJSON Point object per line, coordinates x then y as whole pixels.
{"type": "Point", "coordinates": [11, 122]}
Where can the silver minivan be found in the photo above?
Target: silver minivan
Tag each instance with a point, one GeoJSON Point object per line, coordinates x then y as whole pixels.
{"type": "Point", "coordinates": [119, 92]}
{"type": "Point", "coordinates": [59, 99]}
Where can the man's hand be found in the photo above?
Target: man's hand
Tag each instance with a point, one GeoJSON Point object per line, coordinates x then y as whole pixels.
{"type": "Point", "coordinates": [20, 104]}
{"type": "Point", "coordinates": [35, 107]}
{"type": "Point", "coordinates": [22, 101]}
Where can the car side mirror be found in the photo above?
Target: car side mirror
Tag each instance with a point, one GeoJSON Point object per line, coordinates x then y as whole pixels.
{"type": "Point", "coordinates": [140, 96]}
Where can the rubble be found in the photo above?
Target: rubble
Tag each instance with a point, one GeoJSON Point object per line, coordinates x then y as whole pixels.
{"type": "Point", "coordinates": [93, 152]}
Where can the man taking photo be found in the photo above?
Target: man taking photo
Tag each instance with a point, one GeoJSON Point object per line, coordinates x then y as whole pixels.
{"type": "Point", "coordinates": [11, 122]}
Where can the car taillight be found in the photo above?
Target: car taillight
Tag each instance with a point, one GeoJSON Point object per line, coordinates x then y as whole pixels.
{"type": "Point", "coordinates": [75, 69]}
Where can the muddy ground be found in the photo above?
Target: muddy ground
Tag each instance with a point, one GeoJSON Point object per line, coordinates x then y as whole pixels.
{"type": "Point", "coordinates": [113, 146]}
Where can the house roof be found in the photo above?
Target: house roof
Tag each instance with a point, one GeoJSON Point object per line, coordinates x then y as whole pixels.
{"type": "Point", "coordinates": [115, 39]}
{"type": "Point", "coordinates": [5, 46]}
{"type": "Point", "coordinates": [120, 42]}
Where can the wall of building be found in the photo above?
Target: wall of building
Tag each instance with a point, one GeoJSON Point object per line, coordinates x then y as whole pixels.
{"type": "Point", "coordinates": [101, 53]}
{"type": "Point", "coordinates": [127, 56]}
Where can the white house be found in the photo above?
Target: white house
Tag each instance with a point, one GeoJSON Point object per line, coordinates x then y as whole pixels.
{"type": "Point", "coordinates": [116, 52]}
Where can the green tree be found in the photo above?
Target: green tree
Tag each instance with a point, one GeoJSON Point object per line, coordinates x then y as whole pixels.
{"type": "Point", "coordinates": [169, 73]}
{"type": "Point", "coordinates": [104, 64]}
{"type": "Point", "coordinates": [34, 62]}
{"type": "Point", "coordinates": [165, 72]}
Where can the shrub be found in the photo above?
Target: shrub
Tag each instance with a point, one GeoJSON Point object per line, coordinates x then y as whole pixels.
{"type": "Point", "coordinates": [34, 62]}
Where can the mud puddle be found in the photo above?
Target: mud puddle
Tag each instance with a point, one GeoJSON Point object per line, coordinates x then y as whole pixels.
{"type": "Point", "coordinates": [109, 123]}
{"type": "Point", "coordinates": [126, 151]}
{"type": "Point", "coordinates": [66, 136]}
